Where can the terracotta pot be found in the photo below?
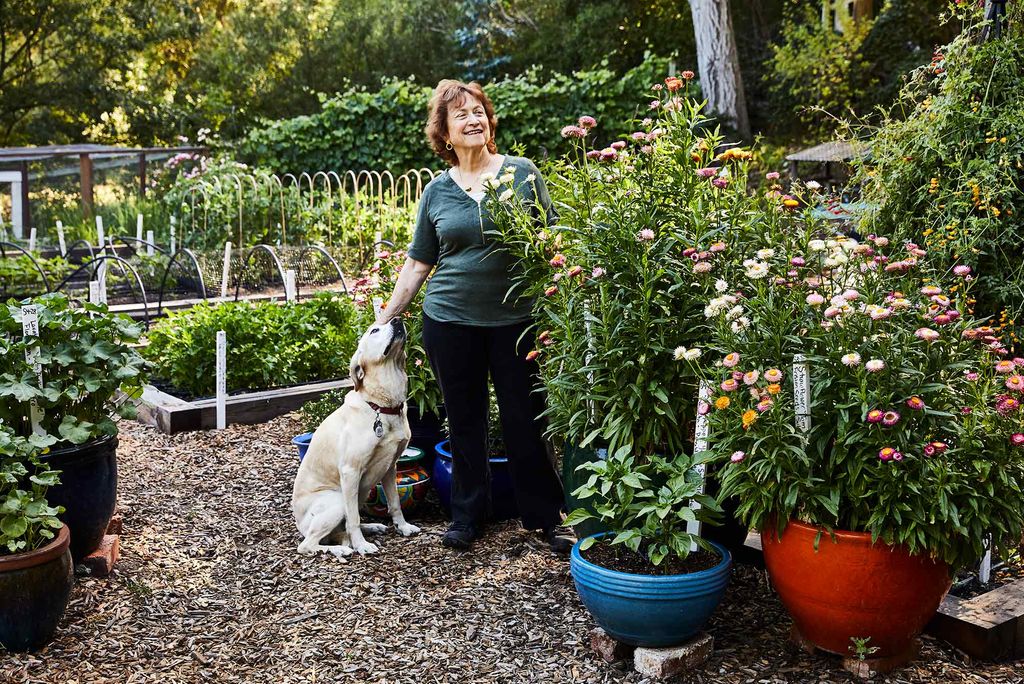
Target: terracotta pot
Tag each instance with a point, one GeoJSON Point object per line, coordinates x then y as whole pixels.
{"type": "Point", "coordinates": [850, 588]}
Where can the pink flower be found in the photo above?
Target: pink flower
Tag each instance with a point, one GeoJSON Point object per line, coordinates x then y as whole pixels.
{"type": "Point", "coordinates": [639, 136]}
{"type": "Point", "coordinates": [655, 104]}
{"type": "Point", "coordinates": [851, 295]}
{"type": "Point", "coordinates": [645, 235]}
{"type": "Point", "coordinates": [962, 270]}
{"type": "Point", "coordinates": [773, 375]}
{"type": "Point", "coordinates": [1018, 361]}
{"type": "Point", "coordinates": [573, 132]}
{"type": "Point", "coordinates": [729, 385]}
{"type": "Point", "coordinates": [1015, 383]}
{"type": "Point", "coordinates": [597, 272]}
{"type": "Point", "coordinates": [557, 261]}
{"type": "Point", "coordinates": [929, 290]}
{"type": "Point", "coordinates": [551, 290]}
{"type": "Point", "coordinates": [557, 276]}
{"type": "Point", "coordinates": [942, 319]}
{"type": "Point", "coordinates": [1006, 405]}
{"type": "Point", "coordinates": [383, 255]}
{"type": "Point", "coordinates": [702, 267]}
{"type": "Point", "coordinates": [939, 447]}
{"type": "Point", "coordinates": [1005, 366]}
{"type": "Point", "coordinates": [575, 271]}
{"type": "Point", "coordinates": [703, 408]}
{"type": "Point", "coordinates": [737, 375]}
{"type": "Point", "coordinates": [890, 418]}
{"type": "Point", "coordinates": [687, 75]}
{"type": "Point", "coordinates": [1017, 439]}
{"type": "Point", "coordinates": [929, 450]}
{"type": "Point", "coordinates": [815, 299]}
{"type": "Point", "coordinates": [731, 359]}
{"type": "Point", "coordinates": [646, 149]}
{"type": "Point", "coordinates": [609, 154]}
{"type": "Point", "coordinates": [926, 334]}
{"type": "Point", "coordinates": [689, 252]}
{"type": "Point", "coordinates": [971, 375]}
{"type": "Point", "coordinates": [875, 416]}
{"type": "Point", "coordinates": [889, 454]}
{"type": "Point", "coordinates": [772, 175]}
{"type": "Point", "coordinates": [874, 365]}
{"type": "Point", "coordinates": [852, 359]}
{"type": "Point", "coordinates": [719, 182]}
{"type": "Point", "coordinates": [737, 456]}
{"type": "Point", "coordinates": [751, 377]}
{"type": "Point", "coordinates": [532, 355]}
{"type": "Point", "coordinates": [618, 145]}
{"type": "Point", "coordinates": [832, 312]}
{"type": "Point", "coordinates": [587, 122]}
{"type": "Point", "coordinates": [797, 261]}
{"type": "Point", "coordinates": [707, 172]}
{"type": "Point", "coordinates": [720, 246]}
{"type": "Point", "coordinates": [764, 405]}
{"type": "Point", "coordinates": [593, 154]}
{"type": "Point", "coordinates": [916, 403]}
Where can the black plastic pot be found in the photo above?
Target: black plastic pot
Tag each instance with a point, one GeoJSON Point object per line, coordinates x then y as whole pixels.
{"type": "Point", "coordinates": [34, 591]}
{"type": "Point", "coordinates": [574, 456]}
{"type": "Point", "coordinates": [87, 491]}
{"type": "Point", "coordinates": [427, 431]}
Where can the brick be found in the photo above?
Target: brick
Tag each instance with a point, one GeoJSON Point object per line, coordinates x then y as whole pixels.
{"type": "Point", "coordinates": [101, 561]}
{"type": "Point", "coordinates": [662, 663]}
{"type": "Point", "coordinates": [608, 648]}
{"type": "Point", "coordinates": [116, 525]}
{"type": "Point", "coordinates": [869, 667]}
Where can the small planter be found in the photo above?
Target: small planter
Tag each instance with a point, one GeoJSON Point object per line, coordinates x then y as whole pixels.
{"type": "Point", "coordinates": [649, 610]}
{"type": "Point", "coordinates": [301, 443]}
{"type": "Point", "coordinates": [850, 588]}
{"type": "Point", "coordinates": [413, 484]}
{"type": "Point", "coordinates": [34, 591]}
{"type": "Point", "coordinates": [503, 499]}
{"type": "Point", "coordinates": [87, 491]}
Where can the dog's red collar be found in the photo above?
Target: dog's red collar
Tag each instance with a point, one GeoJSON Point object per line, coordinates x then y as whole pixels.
{"type": "Point", "coordinates": [387, 410]}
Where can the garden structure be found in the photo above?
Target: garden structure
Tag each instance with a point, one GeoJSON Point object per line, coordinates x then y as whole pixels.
{"type": "Point", "coordinates": [790, 428]}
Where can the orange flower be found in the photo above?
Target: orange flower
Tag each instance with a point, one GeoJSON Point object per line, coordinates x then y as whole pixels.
{"type": "Point", "coordinates": [673, 84]}
{"type": "Point", "coordinates": [532, 355]}
{"type": "Point", "coordinates": [722, 403]}
{"type": "Point", "coordinates": [749, 417]}
{"type": "Point", "coordinates": [774, 388]}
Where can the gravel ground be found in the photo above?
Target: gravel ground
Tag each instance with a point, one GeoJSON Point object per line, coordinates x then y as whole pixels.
{"type": "Point", "coordinates": [209, 589]}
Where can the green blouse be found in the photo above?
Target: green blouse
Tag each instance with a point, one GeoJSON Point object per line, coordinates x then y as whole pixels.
{"type": "Point", "coordinates": [473, 273]}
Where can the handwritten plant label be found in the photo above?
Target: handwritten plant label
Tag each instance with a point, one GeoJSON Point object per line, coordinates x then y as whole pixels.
{"type": "Point", "coordinates": [32, 239]}
{"type": "Point", "coordinates": [700, 443]}
{"type": "Point", "coordinates": [138, 228]}
{"type": "Point", "coordinates": [226, 270]}
{"type": "Point", "coordinates": [802, 392]}
{"type": "Point", "coordinates": [60, 238]}
{"type": "Point", "coordinates": [100, 237]}
{"type": "Point", "coordinates": [30, 329]}
{"type": "Point", "coordinates": [289, 285]}
{"type": "Point", "coordinates": [222, 379]}
{"type": "Point", "coordinates": [150, 241]}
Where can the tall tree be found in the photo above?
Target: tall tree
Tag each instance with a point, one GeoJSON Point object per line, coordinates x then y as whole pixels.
{"type": "Point", "coordinates": [718, 63]}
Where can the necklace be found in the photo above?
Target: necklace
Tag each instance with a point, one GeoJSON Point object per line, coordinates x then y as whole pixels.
{"type": "Point", "coordinates": [462, 181]}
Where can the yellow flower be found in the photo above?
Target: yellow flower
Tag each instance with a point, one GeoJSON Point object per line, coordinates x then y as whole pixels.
{"type": "Point", "coordinates": [749, 417]}
{"type": "Point", "coordinates": [722, 403]}
{"type": "Point", "coordinates": [774, 388]}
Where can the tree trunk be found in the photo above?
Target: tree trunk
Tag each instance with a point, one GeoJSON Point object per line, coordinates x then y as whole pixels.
{"type": "Point", "coordinates": [718, 63]}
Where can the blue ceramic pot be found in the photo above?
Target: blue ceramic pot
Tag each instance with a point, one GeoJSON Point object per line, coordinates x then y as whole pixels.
{"type": "Point", "coordinates": [503, 498]}
{"type": "Point", "coordinates": [650, 610]}
{"type": "Point", "coordinates": [301, 443]}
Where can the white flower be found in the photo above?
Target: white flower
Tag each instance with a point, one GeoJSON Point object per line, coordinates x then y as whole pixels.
{"type": "Point", "coordinates": [507, 179]}
{"type": "Point", "coordinates": [840, 258]}
{"type": "Point", "coordinates": [838, 300]}
{"type": "Point", "coordinates": [507, 195]}
{"type": "Point", "coordinates": [486, 176]}
{"type": "Point", "coordinates": [852, 359]}
{"type": "Point", "coordinates": [734, 313]}
{"type": "Point", "coordinates": [679, 354]}
{"type": "Point", "coordinates": [816, 245]}
{"type": "Point", "coordinates": [532, 177]}
{"type": "Point", "coordinates": [692, 354]}
{"type": "Point", "coordinates": [830, 262]}
{"type": "Point", "coordinates": [741, 323]}
{"type": "Point", "coordinates": [813, 185]}
{"type": "Point", "coordinates": [765, 253]}
{"type": "Point", "coordinates": [702, 267]}
{"type": "Point", "coordinates": [721, 285]}
{"type": "Point", "coordinates": [875, 365]}
{"type": "Point", "coordinates": [755, 269]}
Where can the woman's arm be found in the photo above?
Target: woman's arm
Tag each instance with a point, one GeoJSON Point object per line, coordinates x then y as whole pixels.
{"type": "Point", "coordinates": [410, 280]}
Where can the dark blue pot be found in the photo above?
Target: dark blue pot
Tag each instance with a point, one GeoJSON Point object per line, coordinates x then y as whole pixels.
{"type": "Point", "coordinates": [650, 610]}
{"type": "Point", "coordinates": [503, 498]}
{"type": "Point", "coordinates": [301, 443]}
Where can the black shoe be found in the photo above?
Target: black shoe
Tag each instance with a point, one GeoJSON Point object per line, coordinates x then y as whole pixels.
{"type": "Point", "coordinates": [560, 538]}
{"type": "Point", "coordinates": [459, 536]}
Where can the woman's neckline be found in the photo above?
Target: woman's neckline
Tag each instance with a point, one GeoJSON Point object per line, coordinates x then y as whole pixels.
{"type": "Point", "coordinates": [448, 172]}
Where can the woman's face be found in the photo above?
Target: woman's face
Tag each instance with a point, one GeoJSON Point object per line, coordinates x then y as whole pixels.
{"type": "Point", "coordinates": [468, 127]}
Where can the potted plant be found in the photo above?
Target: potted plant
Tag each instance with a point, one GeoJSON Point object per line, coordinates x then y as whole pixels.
{"type": "Point", "coordinates": [312, 414]}
{"type": "Point", "coordinates": [649, 581]}
{"type": "Point", "coordinates": [89, 373]}
{"type": "Point", "coordinates": [35, 560]}
{"type": "Point", "coordinates": [847, 411]}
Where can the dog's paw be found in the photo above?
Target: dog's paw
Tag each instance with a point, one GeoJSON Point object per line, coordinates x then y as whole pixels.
{"type": "Point", "coordinates": [373, 528]}
{"type": "Point", "coordinates": [340, 551]}
{"type": "Point", "coordinates": [365, 548]}
{"type": "Point", "coordinates": [407, 530]}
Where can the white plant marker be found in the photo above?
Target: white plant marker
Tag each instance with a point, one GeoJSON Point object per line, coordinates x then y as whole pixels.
{"type": "Point", "coordinates": [222, 382]}
{"type": "Point", "coordinates": [378, 305]}
{"type": "Point", "coordinates": [60, 238]}
{"type": "Point", "coordinates": [101, 279]}
{"type": "Point", "coordinates": [290, 294]}
{"type": "Point", "coordinates": [226, 270]}
{"type": "Point", "coordinates": [802, 393]}
{"type": "Point", "coordinates": [700, 443]}
{"type": "Point", "coordinates": [150, 237]}
{"type": "Point", "coordinates": [138, 228]}
{"type": "Point", "coordinates": [985, 569]}
{"type": "Point", "coordinates": [30, 328]}
{"type": "Point", "coordinates": [100, 237]}
{"type": "Point", "coordinates": [94, 292]}
{"type": "Point", "coordinates": [32, 239]}
{"type": "Point", "coordinates": [174, 246]}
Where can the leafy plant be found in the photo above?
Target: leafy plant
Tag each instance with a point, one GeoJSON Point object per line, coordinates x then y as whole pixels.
{"type": "Point", "coordinates": [646, 502]}
{"type": "Point", "coordinates": [860, 649]}
{"type": "Point", "coordinates": [27, 521]}
{"type": "Point", "coordinates": [315, 412]}
{"type": "Point", "coordinates": [269, 344]}
{"type": "Point", "coordinates": [89, 370]}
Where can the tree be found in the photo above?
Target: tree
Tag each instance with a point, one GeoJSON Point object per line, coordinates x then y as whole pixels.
{"type": "Point", "coordinates": [718, 63]}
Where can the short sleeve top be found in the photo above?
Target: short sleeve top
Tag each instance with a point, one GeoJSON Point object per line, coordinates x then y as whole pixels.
{"type": "Point", "coordinates": [473, 280]}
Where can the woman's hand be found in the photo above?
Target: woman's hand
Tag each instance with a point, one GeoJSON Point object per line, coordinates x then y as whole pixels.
{"type": "Point", "coordinates": [410, 280]}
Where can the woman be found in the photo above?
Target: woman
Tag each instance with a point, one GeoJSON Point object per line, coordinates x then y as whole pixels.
{"type": "Point", "coordinates": [470, 327]}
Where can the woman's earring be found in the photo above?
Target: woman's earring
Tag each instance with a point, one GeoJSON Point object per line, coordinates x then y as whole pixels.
{"type": "Point", "coordinates": [448, 145]}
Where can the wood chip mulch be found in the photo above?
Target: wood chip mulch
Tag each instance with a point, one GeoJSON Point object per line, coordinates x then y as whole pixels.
{"type": "Point", "coordinates": [209, 588]}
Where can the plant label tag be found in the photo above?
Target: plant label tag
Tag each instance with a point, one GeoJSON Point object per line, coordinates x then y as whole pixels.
{"type": "Point", "coordinates": [378, 305]}
{"type": "Point", "coordinates": [150, 238]}
{"type": "Point", "coordinates": [100, 237]}
{"type": "Point", "coordinates": [802, 392]}
{"type": "Point", "coordinates": [985, 568]}
{"type": "Point", "coordinates": [174, 246]}
{"type": "Point", "coordinates": [222, 380]}
{"type": "Point", "coordinates": [30, 328]}
{"type": "Point", "coordinates": [225, 271]}
{"type": "Point", "coordinates": [60, 238]}
{"type": "Point", "coordinates": [138, 228]}
{"type": "Point", "coordinates": [700, 443]}
{"type": "Point", "coordinates": [101, 279]}
{"type": "Point", "coordinates": [32, 239]}
{"type": "Point", "coordinates": [289, 285]}
{"type": "Point", "coordinates": [94, 292]}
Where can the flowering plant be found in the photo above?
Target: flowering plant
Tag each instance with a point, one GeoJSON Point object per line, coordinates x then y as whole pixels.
{"type": "Point", "coordinates": [887, 437]}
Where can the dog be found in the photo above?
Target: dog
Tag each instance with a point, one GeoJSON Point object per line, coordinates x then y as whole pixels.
{"type": "Point", "coordinates": [356, 447]}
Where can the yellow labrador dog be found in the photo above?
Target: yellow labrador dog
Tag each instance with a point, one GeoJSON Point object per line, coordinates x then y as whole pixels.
{"type": "Point", "coordinates": [356, 447]}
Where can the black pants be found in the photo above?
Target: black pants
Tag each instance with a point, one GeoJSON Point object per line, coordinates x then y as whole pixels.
{"type": "Point", "coordinates": [461, 356]}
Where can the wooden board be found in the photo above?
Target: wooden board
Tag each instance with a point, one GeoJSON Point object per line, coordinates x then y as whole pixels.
{"type": "Point", "coordinates": [171, 414]}
{"type": "Point", "coordinates": [987, 627]}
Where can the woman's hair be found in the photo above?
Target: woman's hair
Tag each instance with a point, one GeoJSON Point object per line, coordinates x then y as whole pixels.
{"type": "Point", "coordinates": [446, 94]}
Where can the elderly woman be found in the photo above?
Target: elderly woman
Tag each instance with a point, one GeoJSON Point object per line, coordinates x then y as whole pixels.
{"type": "Point", "coordinates": [470, 327]}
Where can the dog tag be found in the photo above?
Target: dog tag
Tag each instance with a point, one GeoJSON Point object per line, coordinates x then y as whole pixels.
{"type": "Point", "coordinates": [378, 428]}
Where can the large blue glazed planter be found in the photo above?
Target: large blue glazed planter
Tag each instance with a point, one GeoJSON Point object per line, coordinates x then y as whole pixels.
{"type": "Point", "coordinates": [650, 610]}
{"type": "Point", "coordinates": [503, 499]}
{"type": "Point", "coordinates": [301, 443]}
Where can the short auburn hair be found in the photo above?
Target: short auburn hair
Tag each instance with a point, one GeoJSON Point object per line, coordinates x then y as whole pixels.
{"type": "Point", "coordinates": [447, 93]}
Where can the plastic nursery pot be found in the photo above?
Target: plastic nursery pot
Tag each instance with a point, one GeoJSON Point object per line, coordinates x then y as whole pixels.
{"type": "Point", "coordinates": [649, 610]}
{"type": "Point", "coordinates": [413, 482]}
{"type": "Point", "coordinates": [851, 589]}
{"type": "Point", "coordinates": [301, 443]}
{"type": "Point", "coordinates": [572, 457]}
{"type": "Point", "coordinates": [503, 498]}
{"type": "Point", "coordinates": [34, 590]}
{"type": "Point", "coordinates": [87, 491]}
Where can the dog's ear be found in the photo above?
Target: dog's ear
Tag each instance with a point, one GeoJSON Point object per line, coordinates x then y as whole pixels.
{"type": "Point", "coordinates": [356, 372]}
